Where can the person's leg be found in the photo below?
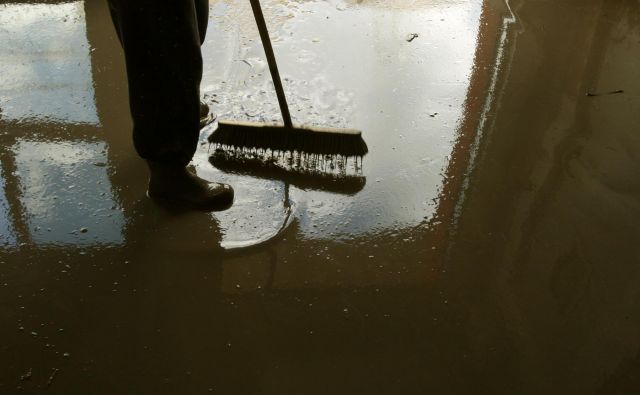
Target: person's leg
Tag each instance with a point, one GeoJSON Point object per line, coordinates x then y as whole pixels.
{"type": "Point", "coordinates": [202, 12]}
{"type": "Point", "coordinates": [164, 67]}
{"type": "Point", "coordinates": [161, 41]}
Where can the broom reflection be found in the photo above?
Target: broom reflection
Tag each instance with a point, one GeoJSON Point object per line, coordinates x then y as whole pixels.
{"type": "Point", "coordinates": [327, 173]}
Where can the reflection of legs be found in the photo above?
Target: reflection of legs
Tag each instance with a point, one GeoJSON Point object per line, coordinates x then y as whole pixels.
{"type": "Point", "coordinates": [161, 41]}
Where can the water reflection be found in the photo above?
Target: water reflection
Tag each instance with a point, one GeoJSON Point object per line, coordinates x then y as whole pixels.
{"type": "Point", "coordinates": [334, 77]}
{"type": "Point", "coordinates": [45, 64]}
{"type": "Point", "coordinates": [537, 292]}
{"type": "Point", "coordinates": [7, 233]}
{"type": "Point", "coordinates": [56, 176]}
{"type": "Point", "coordinates": [335, 59]}
{"type": "Point", "coordinates": [66, 193]}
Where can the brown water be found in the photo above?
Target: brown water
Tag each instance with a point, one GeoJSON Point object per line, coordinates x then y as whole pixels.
{"type": "Point", "coordinates": [490, 245]}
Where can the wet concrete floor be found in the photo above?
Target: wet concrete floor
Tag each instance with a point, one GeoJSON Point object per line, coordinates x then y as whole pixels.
{"type": "Point", "coordinates": [490, 245]}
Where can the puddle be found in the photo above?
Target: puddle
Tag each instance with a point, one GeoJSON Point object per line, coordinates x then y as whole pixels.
{"type": "Point", "coordinates": [66, 194]}
{"type": "Point", "coordinates": [336, 60]}
{"type": "Point", "coordinates": [7, 231]}
{"type": "Point", "coordinates": [491, 231]}
{"type": "Point", "coordinates": [46, 64]}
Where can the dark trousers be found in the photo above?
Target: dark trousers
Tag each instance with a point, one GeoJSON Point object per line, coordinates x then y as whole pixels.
{"type": "Point", "coordinates": [161, 42]}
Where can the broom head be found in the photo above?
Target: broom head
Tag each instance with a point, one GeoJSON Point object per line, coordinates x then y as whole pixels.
{"type": "Point", "coordinates": [278, 138]}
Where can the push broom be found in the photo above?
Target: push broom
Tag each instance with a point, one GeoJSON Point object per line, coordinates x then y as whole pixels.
{"type": "Point", "coordinates": [312, 142]}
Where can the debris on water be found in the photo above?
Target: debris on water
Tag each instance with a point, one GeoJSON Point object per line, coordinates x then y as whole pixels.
{"type": "Point", "coordinates": [433, 115]}
{"type": "Point", "coordinates": [27, 376]}
{"type": "Point", "coordinates": [591, 94]}
{"type": "Point", "coordinates": [245, 62]}
{"type": "Point", "coordinates": [66, 355]}
{"type": "Point", "coordinates": [84, 230]}
{"type": "Point", "coordinates": [412, 36]}
{"type": "Point", "coordinates": [52, 377]}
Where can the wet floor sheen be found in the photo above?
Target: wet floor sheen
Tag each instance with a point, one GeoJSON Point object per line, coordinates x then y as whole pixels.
{"type": "Point", "coordinates": [487, 244]}
{"type": "Point", "coordinates": [335, 58]}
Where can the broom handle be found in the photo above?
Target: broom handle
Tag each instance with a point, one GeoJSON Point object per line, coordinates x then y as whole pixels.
{"type": "Point", "coordinates": [271, 60]}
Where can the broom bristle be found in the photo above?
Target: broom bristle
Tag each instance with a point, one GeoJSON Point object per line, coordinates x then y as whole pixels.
{"type": "Point", "coordinates": [325, 141]}
{"type": "Point", "coordinates": [307, 172]}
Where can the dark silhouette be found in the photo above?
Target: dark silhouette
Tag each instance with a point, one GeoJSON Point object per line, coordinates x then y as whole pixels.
{"type": "Point", "coordinates": [161, 42]}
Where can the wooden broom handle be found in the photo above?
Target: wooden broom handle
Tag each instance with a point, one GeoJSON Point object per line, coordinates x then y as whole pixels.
{"type": "Point", "coordinates": [271, 60]}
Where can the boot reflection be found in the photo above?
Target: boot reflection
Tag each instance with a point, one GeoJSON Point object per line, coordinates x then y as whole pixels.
{"type": "Point", "coordinates": [153, 231]}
